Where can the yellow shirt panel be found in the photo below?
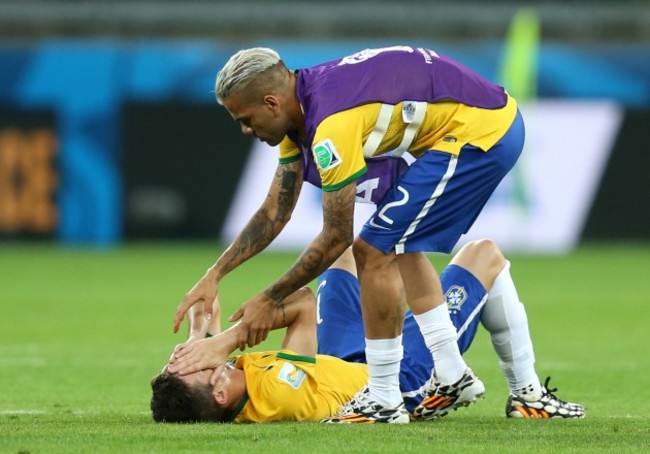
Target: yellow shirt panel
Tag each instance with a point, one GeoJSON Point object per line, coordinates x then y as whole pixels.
{"type": "Point", "coordinates": [338, 146]}
{"type": "Point", "coordinates": [289, 151]}
{"type": "Point", "coordinates": [447, 127]}
{"type": "Point", "coordinates": [287, 387]}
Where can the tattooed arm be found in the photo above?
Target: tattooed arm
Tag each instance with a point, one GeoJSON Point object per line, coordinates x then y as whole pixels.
{"type": "Point", "coordinates": [258, 313]}
{"type": "Point", "coordinates": [335, 237]}
{"type": "Point", "coordinates": [266, 224]}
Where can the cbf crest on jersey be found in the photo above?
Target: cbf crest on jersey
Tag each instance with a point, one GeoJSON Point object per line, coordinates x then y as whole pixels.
{"type": "Point", "coordinates": [455, 297]}
{"type": "Point", "coordinates": [408, 111]}
{"type": "Point", "coordinates": [325, 155]}
{"type": "Point", "coordinates": [291, 375]}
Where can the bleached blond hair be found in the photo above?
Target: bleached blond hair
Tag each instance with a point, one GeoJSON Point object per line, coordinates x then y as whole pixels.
{"type": "Point", "coordinates": [242, 68]}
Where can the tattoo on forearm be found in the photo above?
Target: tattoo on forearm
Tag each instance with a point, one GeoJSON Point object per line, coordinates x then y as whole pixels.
{"type": "Point", "coordinates": [286, 198]}
{"type": "Point", "coordinates": [263, 227]}
{"type": "Point", "coordinates": [310, 263]}
{"type": "Point", "coordinates": [338, 209]}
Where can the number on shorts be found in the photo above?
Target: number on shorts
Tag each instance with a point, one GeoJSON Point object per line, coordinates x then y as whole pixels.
{"type": "Point", "coordinates": [396, 203]}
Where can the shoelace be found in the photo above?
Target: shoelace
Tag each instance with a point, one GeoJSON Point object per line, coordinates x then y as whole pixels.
{"type": "Point", "coordinates": [424, 390]}
{"type": "Point", "coordinates": [546, 382]}
{"type": "Point", "coordinates": [549, 392]}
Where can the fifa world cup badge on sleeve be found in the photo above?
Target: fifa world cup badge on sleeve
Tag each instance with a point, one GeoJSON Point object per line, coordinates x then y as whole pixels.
{"type": "Point", "coordinates": [291, 375]}
{"type": "Point", "coordinates": [325, 155]}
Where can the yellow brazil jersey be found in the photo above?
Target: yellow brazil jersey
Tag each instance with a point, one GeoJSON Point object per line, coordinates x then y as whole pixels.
{"type": "Point", "coordinates": [375, 129]}
{"type": "Point", "coordinates": [283, 386]}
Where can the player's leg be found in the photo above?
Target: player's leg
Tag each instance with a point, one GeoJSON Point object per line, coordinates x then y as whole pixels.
{"type": "Point", "coordinates": [465, 297]}
{"type": "Point", "coordinates": [340, 329]}
{"type": "Point", "coordinates": [426, 211]}
{"type": "Point", "coordinates": [341, 333]}
{"type": "Point", "coordinates": [504, 317]}
{"type": "Point", "coordinates": [472, 270]}
{"type": "Point", "coordinates": [446, 213]}
{"type": "Point", "coordinates": [425, 297]}
{"type": "Point", "coordinates": [434, 203]}
{"type": "Point", "coordinates": [383, 305]}
{"type": "Point", "coordinates": [339, 311]}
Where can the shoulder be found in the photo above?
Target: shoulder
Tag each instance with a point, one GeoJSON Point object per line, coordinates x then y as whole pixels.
{"type": "Point", "coordinates": [363, 113]}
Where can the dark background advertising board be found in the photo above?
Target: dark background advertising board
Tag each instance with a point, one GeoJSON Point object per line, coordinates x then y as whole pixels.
{"type": "Point", "coordinates": [181, 166]}
{"type": "Point", "coordinates": [29, 176]}
{"type": "Point", "coordinates": [621, 208]}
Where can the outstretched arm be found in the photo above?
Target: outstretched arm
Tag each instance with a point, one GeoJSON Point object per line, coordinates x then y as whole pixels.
{"type": "Point", "coordinates": [256, 315]}
{"type": "Point", "coordinates": [267, 222]}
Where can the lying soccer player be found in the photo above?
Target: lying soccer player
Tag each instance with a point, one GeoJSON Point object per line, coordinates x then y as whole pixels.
{"type": "Point", "coordinates": [296, 384]}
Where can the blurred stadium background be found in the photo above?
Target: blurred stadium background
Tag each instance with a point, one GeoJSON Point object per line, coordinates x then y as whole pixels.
{"type": "Point", "coordinates": [109, 131]}
{"type": "Point", "coordinates": [121, 179]}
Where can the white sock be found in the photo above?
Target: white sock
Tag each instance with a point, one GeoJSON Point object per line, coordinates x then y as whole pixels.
{"type": "Point", "coordinates": [504, 316]}
{"type": "Point", "coordinates": [383, 357]}
{"type": "Point", "coordinates": [440, 337]}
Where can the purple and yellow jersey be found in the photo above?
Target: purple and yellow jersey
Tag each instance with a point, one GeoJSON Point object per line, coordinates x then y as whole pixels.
{"type": "Point", "coordinates": [382, 173]}
{"type": "Point", "coordinates": [389, 101]}
{"type": "Point", "coordinates": [283, 386]}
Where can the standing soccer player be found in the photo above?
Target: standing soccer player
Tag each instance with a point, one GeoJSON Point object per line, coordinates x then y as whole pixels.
{"type": "Point", "coordinates": [465, 133]}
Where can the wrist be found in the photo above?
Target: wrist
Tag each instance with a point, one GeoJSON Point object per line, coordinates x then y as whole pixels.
{"type": "Point", "coordinates": [214, 273]}
{"type": "Point", "coordinates": [284, 314]}
{"type": "Point", "coordinates": [195, 336]}
{"type": "Point", "coordinates": [274, 296]}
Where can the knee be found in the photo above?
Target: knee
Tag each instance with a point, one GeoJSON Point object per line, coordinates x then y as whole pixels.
{"type": "Point", "coordinates": [489, 252]}
{"type": "Point", "coordinates": [361, 251]}
{"type": "Point", "coordinates": [481, 257]}
{"type": "Point", "coordinates": [366, 255]}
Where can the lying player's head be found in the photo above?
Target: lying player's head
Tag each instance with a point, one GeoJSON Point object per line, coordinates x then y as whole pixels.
{"type": "Point", "coordinates": [188, 399]}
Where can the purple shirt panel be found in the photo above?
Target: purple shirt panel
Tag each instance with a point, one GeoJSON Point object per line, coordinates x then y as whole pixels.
{"type": "Point", "coordinates": [385, 169]}
{"type": "Point", "coordinates": [390, 77]}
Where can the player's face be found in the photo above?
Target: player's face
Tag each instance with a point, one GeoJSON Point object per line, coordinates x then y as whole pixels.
{"type": "Point", "coordinates": [202, 377]}
{"type": "Point", "coordinates": [224, 379]}
{"type": "Point", "coordinates": [264, 120]}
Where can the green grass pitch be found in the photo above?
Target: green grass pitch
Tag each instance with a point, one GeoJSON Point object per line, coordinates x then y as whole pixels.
{"type": "Point", "coordinates": [82, 333]}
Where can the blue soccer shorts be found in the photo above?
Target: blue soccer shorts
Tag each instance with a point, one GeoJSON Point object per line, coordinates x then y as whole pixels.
{"type": "Point", "coordinates": [341, 333]}
{"type": "Point", "coordinates": [440, 196]}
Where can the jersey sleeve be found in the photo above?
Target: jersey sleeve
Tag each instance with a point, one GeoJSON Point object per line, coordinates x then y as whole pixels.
{"type": "Point", "coordinates": [290, 388]}
{"type": "Point", "coordinates": [289, 151]}
{"type": "Point", "coordinates": [338, 149]}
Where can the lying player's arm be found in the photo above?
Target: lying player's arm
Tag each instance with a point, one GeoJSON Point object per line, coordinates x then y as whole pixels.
{"type": "Point", "coordinates": [298, 316]}
{"type": "Point", "coordinates": [199, 325]}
